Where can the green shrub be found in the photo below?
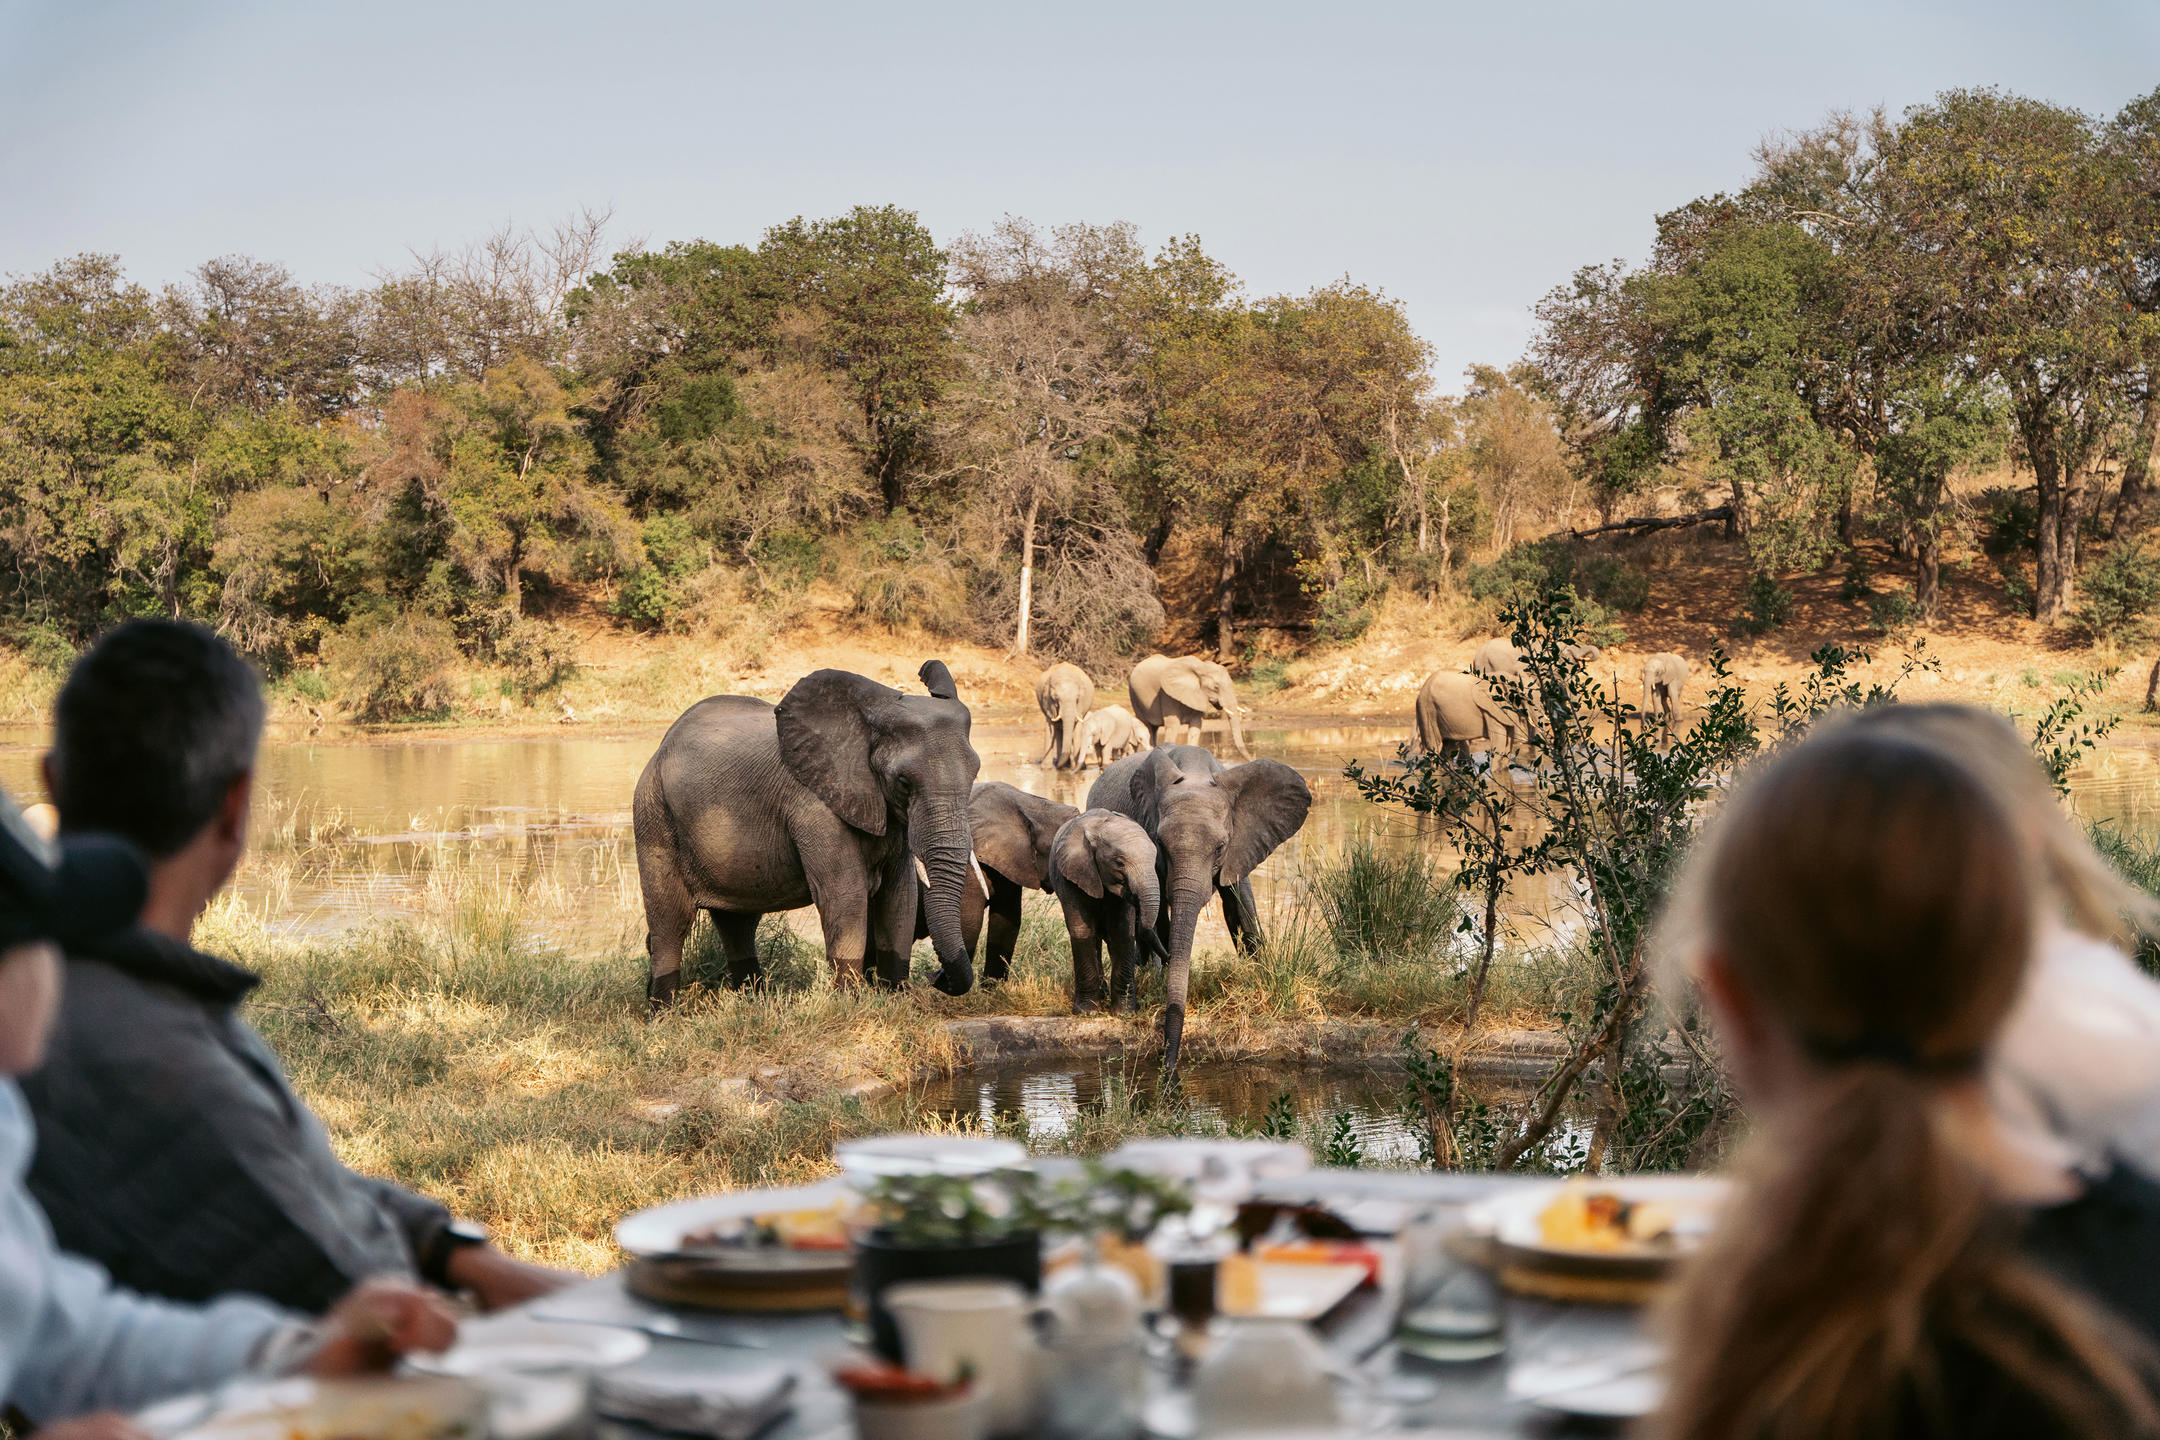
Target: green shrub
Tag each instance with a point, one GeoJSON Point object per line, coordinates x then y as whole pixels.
{"type": "Point", "coordinates": [1524, 572]}
{"type": "Point", "coordinates": [1346, 611]}
{"type": "Point", "coordinates": [1767, 605]}
{"type": "Point", "coordinates": [2010, 520]}
{"type": "Point", "coordinates": [901, 576]}
{"type": "Point", "coordinates": [1265, 676]}
{"type": "Point", "coordinates": [1859, 578]}
{"type": "Point", "coordinates": [404, 669]}
{"type": "Point", "coordinates": [1390, 904]}
{"type": "Point", "coordinates": [672, 547]}
{"type": "Point", "coordinates": [536, 656]}
{"type": "Point", "coordinates": [1423, 575]}
{"type": "Point", "coordinates": [1893, 614]}
{"type": "Point", "coordinates": [648, 599]}
{"type": "Point", "coordinates": [1614, 583]}
{"type": "Point", "coordinates": [2117, 594]}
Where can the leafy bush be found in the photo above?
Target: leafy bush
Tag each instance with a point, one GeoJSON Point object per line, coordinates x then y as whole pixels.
{"type": "Point", "coordinates": [537, 656]}
{"type": "Point", "coordinates": [1859, 578]}
{"type": "Point", "coordinates": [1265, 676]}
{"type": "Point", "coordinates": [1615, 583]}
{"type": "Point", "coordinates": [42, 647]}
{"type": "Point", "coordinates": [1524, 572]}
{"type": "Point", "coordinates": [647, 599]}
{"type": "Point", "coordinates": [2011, 521]}
{"type": "Point", "coordinates": [1423, 575]}
{"type": "Point", "coordinates": [1893, 614]}
{"type": "Point", "coordinates": [1391, 904]}
{"type": "Point", "coordinates": [901, 576]}
{"type": "Point", "coordinates": [1346, 610]}
{"type": "Point", "coordinates": [1767, 605]}
{"type": "Point", "coordinates": [404, 669]}
{"type": "Point", "coordinates": [2117, 594]}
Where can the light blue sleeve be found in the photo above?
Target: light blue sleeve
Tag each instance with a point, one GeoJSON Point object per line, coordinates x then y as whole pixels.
{"type": "Point", "coordinates": [99, 1347]}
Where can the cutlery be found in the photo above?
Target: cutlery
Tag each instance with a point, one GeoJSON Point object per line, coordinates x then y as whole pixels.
{"type": "Point", "coordinates": [664, 1327]}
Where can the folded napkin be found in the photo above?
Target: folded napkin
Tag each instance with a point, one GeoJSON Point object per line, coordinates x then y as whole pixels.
{"type": "Point", "coordinates": [727, 1407]}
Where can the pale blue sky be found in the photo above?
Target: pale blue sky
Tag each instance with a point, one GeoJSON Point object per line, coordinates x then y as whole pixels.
{"type": "Point", "coordinates": [1464, 158]}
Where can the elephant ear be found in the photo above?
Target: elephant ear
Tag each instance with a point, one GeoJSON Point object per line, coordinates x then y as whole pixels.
{"type": "Point", "coordinates": [1182, 685]}
{"type": "Point", "coordinates": [938, 680]}
{"type": "Point", "coordinates": [1268, 804]}
{"type": "Point", "coordinates": [1013, 831]}
{"type": "Point", "coordinates": [1072, 857]}
{"type": "Point", "coordinates": [827, 726]}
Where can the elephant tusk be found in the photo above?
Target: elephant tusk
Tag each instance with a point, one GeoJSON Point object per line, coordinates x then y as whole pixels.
{"type": "Point", "coordinates": [980, 878]}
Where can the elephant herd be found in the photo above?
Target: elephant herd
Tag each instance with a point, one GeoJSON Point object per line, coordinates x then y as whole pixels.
{"type": "Point", "coordinates": [1457, 709]}
{"type": "Point", "coordinates": [862, 800]}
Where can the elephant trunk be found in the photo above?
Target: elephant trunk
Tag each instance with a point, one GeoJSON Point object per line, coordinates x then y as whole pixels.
{"type": "Point", "coordinates": [1189, 891]}
{"type": "Point", "coordinates": [1147, 909]}
{"type": "Point", "coordinates": [938, 833]}
{"type": "Point", "coordinates": [1070, 760]}
{"type": "Point", "coordinates": [1237, 731]}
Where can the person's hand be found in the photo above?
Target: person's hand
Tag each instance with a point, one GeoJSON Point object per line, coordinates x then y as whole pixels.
{"type": "Point", "coordinates": [106, 1425]}
{"type": "Point", "coordinates": [497, 1281]}
{"type": "Point", "coordinates": [380, 1320]}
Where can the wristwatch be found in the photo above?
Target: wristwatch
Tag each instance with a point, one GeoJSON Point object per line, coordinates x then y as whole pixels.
{"type": "Point", "coordinates": [453, 1237]}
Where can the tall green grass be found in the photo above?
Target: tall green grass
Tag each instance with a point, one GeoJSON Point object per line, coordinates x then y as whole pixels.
{"type": "Point", "coordinates": [1393, 904]}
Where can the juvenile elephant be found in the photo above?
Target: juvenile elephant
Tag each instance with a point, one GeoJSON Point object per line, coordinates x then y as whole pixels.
{"type": "Point", "coordinates": [1454, 709]}
{"type": "Point", "coordinates": [1066, 695]}
{"type": "Point", "coordinates": [1170, 694]}
{"type": "Point", "coordinates": [1102, 869]}
{"type": "Point", "coordinates": [826, 799]}
{"type": "Point", "coordinates": [1013, 832]}
{"type": "Point", "coordinates": [1500, 658]}
{"type": "Point", "coordinates": [1110, 734]}
{"type": "Point", "coordinates": [1664, 677]}
{"type": "Point", "coordinates": [1211, 824]}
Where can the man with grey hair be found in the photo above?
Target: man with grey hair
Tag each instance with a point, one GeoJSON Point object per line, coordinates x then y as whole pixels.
{"type": "Point", "coordinates": [170, 1146]}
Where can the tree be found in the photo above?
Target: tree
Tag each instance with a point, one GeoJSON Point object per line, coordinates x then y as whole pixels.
{"type": "Point", "coordinates": [870, 285]}
{"type": "Point", "coordinates": [2134, 141]}
{"type": "Point", "coordinates": [1509, 446]}
{"type": "Point", "coordinates": [1052, 387]}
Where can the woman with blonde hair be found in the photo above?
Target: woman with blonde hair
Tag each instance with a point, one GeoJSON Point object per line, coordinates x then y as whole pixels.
{"type": "Point", "coordinates": [1895, 1261]}
{"type": "Point", "coordinates": [2078, 1060]}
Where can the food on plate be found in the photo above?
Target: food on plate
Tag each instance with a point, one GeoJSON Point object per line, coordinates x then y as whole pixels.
{"type": "Point", "coordinates": [823, 1228]}
{"type": "Point", "coordinates": [1599, 1220]}
{"type": "Point", "coordinates": [888, 1384]}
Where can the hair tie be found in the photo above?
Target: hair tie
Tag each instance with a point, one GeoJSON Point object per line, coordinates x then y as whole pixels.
{"type": "Point", "coordinates": [1881, 1048]}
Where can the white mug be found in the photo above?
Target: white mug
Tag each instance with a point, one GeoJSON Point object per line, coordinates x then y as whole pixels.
{"type": "Point", "coordinates": [984, 1326]}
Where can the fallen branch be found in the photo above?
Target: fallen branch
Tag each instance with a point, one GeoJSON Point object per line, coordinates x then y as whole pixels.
{"type": "Point", "coordinates": [1643, 525]}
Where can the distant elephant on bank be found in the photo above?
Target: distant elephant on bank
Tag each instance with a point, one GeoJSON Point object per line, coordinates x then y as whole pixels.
{"type": "Point", "coordinates": [1211, 824]}
{"type": "Point", "coordinates": [1013, 831]}
{"type": "Point", "coordinates": [1109, 735]}
{"type": "Point", "coordinates": [1664, 677]}
{"type": "Point", "coordinates": [1170, 694]}
{"type": "Point", "coordinates": [1499, 657]}
{"type": "Point", "coordinates": [826, 799]}
{"type": "Point", "coordinates": [1102, 869]}
{"type": "Point", "coordinates": [1454, 709]}
{"type": "Point", "coordinates": [1066, 695]}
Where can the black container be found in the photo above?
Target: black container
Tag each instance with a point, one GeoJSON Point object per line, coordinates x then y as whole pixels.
{"type": "Point", "coordinates": [880, 1262]}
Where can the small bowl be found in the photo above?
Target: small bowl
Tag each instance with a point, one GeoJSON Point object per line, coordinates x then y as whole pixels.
{"type": "Point", "coordinates": [963, 1415]}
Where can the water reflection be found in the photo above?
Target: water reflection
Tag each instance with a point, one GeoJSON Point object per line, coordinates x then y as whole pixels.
{"type": "Point", "coordinates": [352, 832]}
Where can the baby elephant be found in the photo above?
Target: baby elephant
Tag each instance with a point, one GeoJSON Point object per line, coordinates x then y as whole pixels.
{"type": "Point", "coordinates": [1102, 869]}
{"type": "Point", "coordinates": [1109, 735]}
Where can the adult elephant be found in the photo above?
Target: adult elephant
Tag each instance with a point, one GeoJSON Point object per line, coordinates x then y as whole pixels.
{"type": "Point", "coordinates": [1066, 695]}
{"type": "Point", "coordinates": [825, 799]}
{"type": "Point", "coordinates": [1500, 658]}
{"type": "Point", "coordinates": [1664, 677]}
{"type": "Point", "coordinates": [1454, 709]}
{"type": "Point", "coordinates": [1110, 734]}
{"type": "Point", "coordinates": [1170, 694]}
{"type": "Point", "coordinates": [1211, 824]}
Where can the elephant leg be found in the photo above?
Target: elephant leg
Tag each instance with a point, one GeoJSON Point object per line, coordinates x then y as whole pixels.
{"type": "Point", "coordinates": [1119, 936]}
{"type": "Point", "coordinates": [892, 922]}
{"type": "Point", "coordinates": [738, 937]}
{"type": "Point", "coordinates": [841, 892]}
{"type": "Point", "coordinates": [1241, 914]}
{"type": "Point", "coordinates": [668, 913]}
{"type": "Point", "coordinates": [1050, 740]}
{"type": "Point", "coordinates": [1003, 910]}
{"type": "Point", "coordinates": [1087, 961]}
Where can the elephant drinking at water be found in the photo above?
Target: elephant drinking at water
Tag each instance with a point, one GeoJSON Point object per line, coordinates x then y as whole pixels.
{"type": "Point", "coordinates": [1169, 695]}
{"type": "Point", "coordinates": [1102, 869]}
{"type": "Point", "coordinates": [1211, 824]}
{"type": "Point", "coordinates": [827, 799]}
{"type": "Point", "coordinates": [1065, 695]}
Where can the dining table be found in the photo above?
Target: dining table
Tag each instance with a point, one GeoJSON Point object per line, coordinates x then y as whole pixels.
{"type": "Point", "coordinates": [1459, 1400]}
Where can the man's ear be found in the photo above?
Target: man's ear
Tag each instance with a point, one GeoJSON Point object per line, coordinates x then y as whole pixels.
{"type": "Point", "coordinates": [232, 817]}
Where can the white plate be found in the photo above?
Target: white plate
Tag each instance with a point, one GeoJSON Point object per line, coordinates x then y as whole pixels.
{"type": "Point", "coordinates": [420, 1407]}
{"type": "Point", "coordinates": [1620, 1386]}
{"type": "Point", "coordinates": [1301, 1292]}
{"type": "Point", "coordinates": [1511, 1216]}
{"type": "Point", "coordinates": [514, 1344]}
{"type": "Point", "coordinates": [1238, 1164]}
{"type": "Point", "coordinates": [660, 1230]}
{"type": "Point", "coordinates": [881, 1155]}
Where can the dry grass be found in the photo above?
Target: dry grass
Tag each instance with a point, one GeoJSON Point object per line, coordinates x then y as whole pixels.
{"type": "Point", "coordinates": [521, 1083]}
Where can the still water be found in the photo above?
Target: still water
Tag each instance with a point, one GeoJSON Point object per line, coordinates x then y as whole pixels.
{"type": "Point", "coordinates": [358, 829]}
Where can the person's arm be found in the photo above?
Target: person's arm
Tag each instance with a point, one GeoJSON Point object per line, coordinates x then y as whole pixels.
{"type": "Point", "coordinates": [458, 1257]}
